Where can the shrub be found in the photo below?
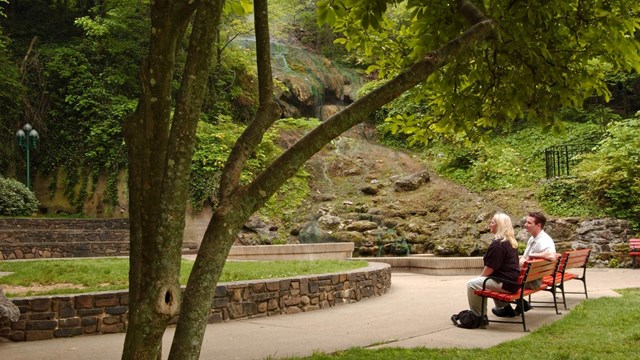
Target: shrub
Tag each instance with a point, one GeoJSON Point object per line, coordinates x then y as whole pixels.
{"type": "Point", "coordinates": [565, 197]}
{"type": "Point", "coordinates": [16, 199]}
{"type": "Point", "coordinates": [613, 172]}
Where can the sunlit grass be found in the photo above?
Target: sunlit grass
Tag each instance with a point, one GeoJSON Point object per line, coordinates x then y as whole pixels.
{"type": "Point", "coordinates": [604, 328]}
{"type": "Point", "coordinates": [89, 275]}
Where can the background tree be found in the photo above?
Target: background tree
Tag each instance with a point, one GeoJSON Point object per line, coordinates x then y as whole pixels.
{"type": "Point", "coordinates": [469, 94]}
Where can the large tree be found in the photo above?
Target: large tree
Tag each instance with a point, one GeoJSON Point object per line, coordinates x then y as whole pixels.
{"type": "Point", "coordinates": [490, 62]}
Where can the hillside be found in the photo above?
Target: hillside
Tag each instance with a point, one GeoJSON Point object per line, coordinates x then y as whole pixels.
{"type": "Point", "coordinates": [354, 199]}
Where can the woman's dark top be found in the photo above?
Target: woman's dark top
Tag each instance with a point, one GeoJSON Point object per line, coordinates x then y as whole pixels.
{"type": "Point", "coordinates": [503, 259]}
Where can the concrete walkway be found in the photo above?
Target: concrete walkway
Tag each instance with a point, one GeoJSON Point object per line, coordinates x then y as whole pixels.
{"type": "Point", "coordinates": [414, 313]}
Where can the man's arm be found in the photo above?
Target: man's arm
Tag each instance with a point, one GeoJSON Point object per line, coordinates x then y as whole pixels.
{"type": "Point", "coordinates": [547, 255]}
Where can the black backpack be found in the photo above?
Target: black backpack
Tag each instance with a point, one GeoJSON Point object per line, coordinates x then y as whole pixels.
{"type": "Point", "coordinates": [466, 319]}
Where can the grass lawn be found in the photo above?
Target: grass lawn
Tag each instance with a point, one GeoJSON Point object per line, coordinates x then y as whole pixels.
{"type": "Point", "coordinates": [604, 328]}
{"type": "Point", "coordinates": [47, 277]}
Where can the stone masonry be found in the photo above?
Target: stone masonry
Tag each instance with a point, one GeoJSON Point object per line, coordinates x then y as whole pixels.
{"type": "Point", "coordinates": [48, 317]}
{"type": "Point", "coordinates": [60, 238]}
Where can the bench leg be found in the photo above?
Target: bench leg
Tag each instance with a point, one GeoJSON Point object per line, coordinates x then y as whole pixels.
{"type": "Point", "coordinates": [482, 314]}
{"type": "Point", "coordinates": [524, 324]}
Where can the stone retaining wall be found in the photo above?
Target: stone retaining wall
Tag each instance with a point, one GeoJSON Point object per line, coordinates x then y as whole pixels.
{"type": "Point", "coordinates": [435, 265]}
{"type": "Point", "coordinates": [48, 317]}
{"type": "Point", "coordinates": [60, 238]}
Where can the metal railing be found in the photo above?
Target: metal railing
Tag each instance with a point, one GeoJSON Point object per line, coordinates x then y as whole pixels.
{"type": "Point", "coordinates": [560, 158]}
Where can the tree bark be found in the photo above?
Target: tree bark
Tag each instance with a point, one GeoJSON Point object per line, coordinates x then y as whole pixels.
{"type": "Point", "coordinates": [159, 152]}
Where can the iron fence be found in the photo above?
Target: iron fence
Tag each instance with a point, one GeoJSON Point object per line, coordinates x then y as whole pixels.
{"type": "Point", "coordinates": [560, 158]}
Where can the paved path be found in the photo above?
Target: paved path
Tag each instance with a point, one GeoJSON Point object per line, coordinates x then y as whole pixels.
{"type": "Point", "coordinates": [414, 313]}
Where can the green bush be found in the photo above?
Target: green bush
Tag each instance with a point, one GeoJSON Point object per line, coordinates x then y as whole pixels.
{"type": "Point", "coordinates": [613, 171]}
{"type": "Point", "coordinates": [565, 197]}
{"type": "Point", "coordinates": [16, 199]}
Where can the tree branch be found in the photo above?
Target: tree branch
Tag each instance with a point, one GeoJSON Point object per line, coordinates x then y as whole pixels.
{"type": "Point", "coordinates": [268, 110]}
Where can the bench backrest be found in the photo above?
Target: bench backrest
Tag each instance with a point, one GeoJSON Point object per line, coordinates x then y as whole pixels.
{"type": "Point", "coordinates": [634, 244]}
{"type": "Point", "coordinates": [537, 269]}
{"type": "Point", "coordinates": [574, 259]}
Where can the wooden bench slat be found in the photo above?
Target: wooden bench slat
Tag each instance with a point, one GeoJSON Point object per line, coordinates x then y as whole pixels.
{"type": "Point", "coordinates": [574, 259]}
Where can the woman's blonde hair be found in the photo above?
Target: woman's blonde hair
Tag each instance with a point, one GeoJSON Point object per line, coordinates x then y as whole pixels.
{"type": "Point", "coordinates": [504, 229]}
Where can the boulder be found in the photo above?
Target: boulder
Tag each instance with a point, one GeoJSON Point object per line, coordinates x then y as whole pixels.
{"type": "Point", "coordinates": [412, 182]}
{"type": "Point", "coordinates": [9, 312]}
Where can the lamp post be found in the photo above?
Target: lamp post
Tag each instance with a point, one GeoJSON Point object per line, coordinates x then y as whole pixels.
{"type": "Point", "coordinates": [27, 138]}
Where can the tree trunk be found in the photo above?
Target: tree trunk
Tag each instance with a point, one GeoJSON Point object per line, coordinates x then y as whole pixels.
{"type": "Point", "coordinates": [159, 152]}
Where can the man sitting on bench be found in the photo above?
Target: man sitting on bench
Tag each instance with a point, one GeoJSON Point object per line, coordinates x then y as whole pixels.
{"type": "Point", "coordinates": [539, 246]}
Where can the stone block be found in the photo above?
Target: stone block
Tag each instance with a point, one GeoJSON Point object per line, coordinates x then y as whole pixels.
{"type": "Point", "coordinates": [220, 303]}
{"type": "Point", "coordinates": [262, 307]}
{"type": "Point", "coordinates": [39, 305]}
{"type": "Point", "coordinates": [68, 332]}
{"type": "Point", "coordinates": [66, 310]}
{"type": "Point", "coordinates": [106, 300]}
{"type": "Point", "coordinates": [258, 287]}
{"type": "Point", "coordinates": [285, 285]}
{"type": "Point", "coordinates": [19, 325]}
{"type": "Point", "coordinates": [272, 305]}
{"type": "Point", "coordinates": [304, 286]}
{"type": "Point", "coordinates": [111, 329]}
{"type": "Point", "coordinates": [110, 320]}
{"type": "Point", "coordinates": [43, 316]}
{"type": "Point", "coordinates": [90, 329]}
{"type": "Point", "coordinates": [66, 323]}
{"type": "Point", "coordinates": [42, 325]}
{"type": "Point", "coordinates": [241, 310]}
{"type": "Point", "coordinates": [273, 286]}
{"type": "Point", "coordinates": [90, 312]}
{"type": "Point", "coordinates": [215, 318]}
{"type": "Point", "coordinates": [35, 335]}
{"type": "Point", "coordinates": [221, 291]}
{"type": "Point", "coordinates": [124, 299]}
{"type": "Point", "coordinates": [18, 336]}
{"type": "Point", "coordinates": [84, 302]}
{"type": "Point", "coordinates": [116, 310]}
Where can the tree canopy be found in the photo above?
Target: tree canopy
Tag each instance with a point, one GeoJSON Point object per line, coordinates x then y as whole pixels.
{"type": "Point", "coordinates": [543, 55]}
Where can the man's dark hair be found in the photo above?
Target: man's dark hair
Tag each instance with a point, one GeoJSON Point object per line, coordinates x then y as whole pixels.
{"type": "Point", "coordinates": [539, 218]}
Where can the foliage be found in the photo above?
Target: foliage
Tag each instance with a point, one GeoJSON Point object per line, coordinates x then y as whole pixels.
{"type": "Point", "coordinates": [612, 173]}
{"type": "Point", "coordinates": [92, 84]}
{"type": "Point", "coordinates": [212, 148]}
{"type": "Point", "coordinates": [84, 275]}
{"type": "Point", "coordinates": [16, 199]}
{"type": "Point", "coordinates": [582, 329]}
{"type": "Point", "coordinates": [11, 91]}
{"type": "Point", "coordinates": [467, 98]}
{"type": "Point", "coordinates": [504, 160]}
{"type": "Point", "coordinates": [213, 145]}
{"type": "Point", "coordinates": [566, 197]}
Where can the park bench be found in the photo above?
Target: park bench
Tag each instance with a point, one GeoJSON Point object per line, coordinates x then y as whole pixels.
{"type": "Point", "coordinates": [574, 259]}
{"type": "Point", "coordinates": [634, 250]}
{"type": "Point", "coordinates": [531, 270]}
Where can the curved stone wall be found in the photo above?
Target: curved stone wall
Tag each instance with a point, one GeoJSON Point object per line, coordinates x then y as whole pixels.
{"type": "Point", "coordinates": [48, 317]}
